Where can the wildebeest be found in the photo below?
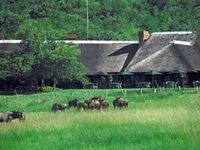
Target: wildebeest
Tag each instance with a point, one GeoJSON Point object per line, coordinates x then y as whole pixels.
{"type": "Point", "coordinates": [57, 106]}
{"type": "Point", "coordinates": [103, 104]}
{"type": "Point", "coordinates": [196, 83]}
{"type": "Point", "coordinates": [5, 117]}
{"type": "Point", "coordinates": [93, 103]}
{"type": "Point", "coordinates": [9, 116]}
{"type": "Point", "coordinates": [17, 115]}
{"type": "Point", "coordinates": [72, 103]}
{"type": "Point", "coordinates": [120, 102]}
{"type": "Point", "coordinates": [97, 103]}
{"type": "Point", "coordinates": [90, 104]}
{"type": "Point", "coordinates": [82, 106]}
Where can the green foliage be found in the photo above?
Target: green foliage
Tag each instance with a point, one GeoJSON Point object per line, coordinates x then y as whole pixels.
{"type": "Point", "coordinates": [53, 58]}
{"type": "Point", "coordinates": [45, 55]}
{"type": "Point", "coordinates": [107, 18]}
{"type": "Point", "coordinates": [47, 89]}
{"type": "Point", "coordinates": [15, 63]}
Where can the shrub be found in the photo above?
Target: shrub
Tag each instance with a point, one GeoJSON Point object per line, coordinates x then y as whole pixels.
{"type": "Point", "coordinates": [47, 89]}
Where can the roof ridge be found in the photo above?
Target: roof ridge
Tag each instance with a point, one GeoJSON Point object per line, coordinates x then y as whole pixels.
{"type": "Point", "coordinates": [172, 32]}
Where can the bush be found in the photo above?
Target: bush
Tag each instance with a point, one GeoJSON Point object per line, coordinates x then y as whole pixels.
{"type": "Point", "coordinates": [47, 89]}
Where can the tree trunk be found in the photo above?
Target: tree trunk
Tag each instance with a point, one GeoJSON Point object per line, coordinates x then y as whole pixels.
{"type": "Point", "coordinates": [55, 81]}
{"type": "Point", "coordinates": [31, 85]}
{"type": "Point", "coordinates": [42, 83]}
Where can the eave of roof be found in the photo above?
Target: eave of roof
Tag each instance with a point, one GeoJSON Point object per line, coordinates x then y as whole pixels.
{"type": "Point", "coordinates": [10, 41]}
{"type": "Point", "coordinates": [99, 42]}
{"type": "Point", "coordinates": [78, 42]}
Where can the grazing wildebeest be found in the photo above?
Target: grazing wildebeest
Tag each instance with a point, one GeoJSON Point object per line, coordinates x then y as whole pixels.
{"type": "Point", "coordinates": [58, 106]}
{"type": "Point", "coordinates": [89, 103]}
{"type": "Point", "coordinates": [82, 106]}
{"type": "Point", "coordinates": [97, 103]}
{"type": "Point", "coordinates": [93, 103]}
{"type": "Point", "coordinates": [17, 115]}
{"type": "Point", "coordinates": [9, 116]}
{"type": "Point", "coordinates": [72, 103]}
{"type": "Point", "coordinates": [103, 104]}
{"type": "Point", "coordinates": [5, 117]}
{"type": "Point", "coordinates": [196, 83]}
{"type": "Point", "coordinates": [120, 102]}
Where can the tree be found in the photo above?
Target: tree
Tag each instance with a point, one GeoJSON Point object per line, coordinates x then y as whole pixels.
{"type": "Point", "coordinates": [15, 64]}
{"type": "Point", "coordinates": [109, 19]}
{"type": "Point", "coordinates": [52, 57]}
{"type": "Point", "coordinates": [60, 62]}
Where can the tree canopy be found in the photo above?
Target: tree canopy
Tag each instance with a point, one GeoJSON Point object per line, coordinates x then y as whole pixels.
{"type": "Point", "coordinates": [108, 19]}
{"type": "Point", "coordinates": [44, 55]}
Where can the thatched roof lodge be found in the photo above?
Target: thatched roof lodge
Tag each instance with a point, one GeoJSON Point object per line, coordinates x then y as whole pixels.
{"type": "Point", "coordinates": [100, 57]}
{"type": "Point", "coordinates": [165, 52]}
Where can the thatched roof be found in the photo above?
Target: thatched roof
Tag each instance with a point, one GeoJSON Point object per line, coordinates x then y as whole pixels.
{"type": "Point", "coordinates": [111, 58]}
{"type": "Point", "coordinates": [97, 56]}
{"type": "Point", "coordinates": [10, 47]}
{"type": "Point", "coordinates": [165, 52]}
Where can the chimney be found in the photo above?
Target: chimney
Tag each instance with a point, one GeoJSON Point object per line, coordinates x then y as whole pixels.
{"type": "Point", "coordinates": [143, 36]}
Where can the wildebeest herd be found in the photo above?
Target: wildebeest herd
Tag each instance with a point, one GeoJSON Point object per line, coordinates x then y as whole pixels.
{"type": "Point", "coordinates": [95, 103]}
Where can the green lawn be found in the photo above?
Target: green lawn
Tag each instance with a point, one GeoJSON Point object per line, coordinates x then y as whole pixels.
{"type": "Point", "coordinates": [168, 119]}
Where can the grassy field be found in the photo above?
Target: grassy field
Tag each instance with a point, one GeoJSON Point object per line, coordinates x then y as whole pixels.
{"type": "Point", "coordinates": [168, 119]}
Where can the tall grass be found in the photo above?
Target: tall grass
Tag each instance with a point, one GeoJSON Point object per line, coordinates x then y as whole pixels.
{"type": "Point", "coordinates": [165, 120]}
